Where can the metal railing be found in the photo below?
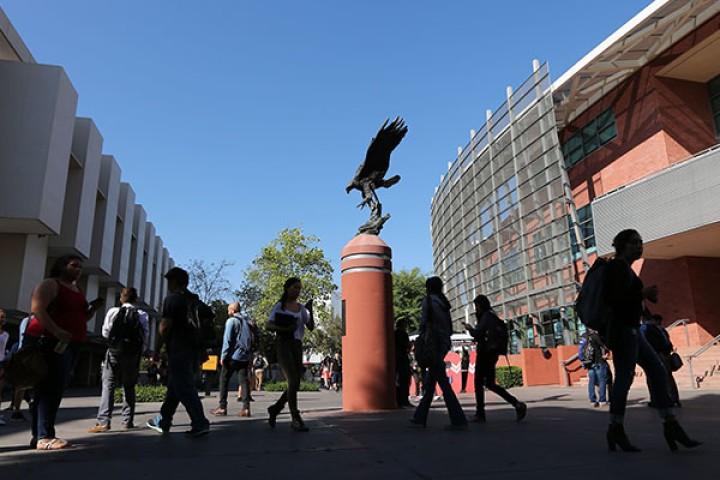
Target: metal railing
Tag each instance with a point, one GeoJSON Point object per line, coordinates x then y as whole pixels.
{"type": "Point", "coordinates": [575, 357]}
{"type": "Point", "coordinates": [684, 322]}
{"type": "Point", "coordinates": [566, 364]}
{"type": "Point", "coordinates": [689, 359]}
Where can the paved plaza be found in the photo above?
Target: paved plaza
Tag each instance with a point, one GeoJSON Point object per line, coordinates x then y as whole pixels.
{"type": "Point", "coordinates": [563, 437]}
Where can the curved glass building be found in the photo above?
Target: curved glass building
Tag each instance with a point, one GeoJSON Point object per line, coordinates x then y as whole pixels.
{"type": "Point", "coordinates": [500, 220]}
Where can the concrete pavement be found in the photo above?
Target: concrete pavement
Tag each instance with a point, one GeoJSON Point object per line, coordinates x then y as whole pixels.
{"type": "Point", "coordinates": [563, 437]}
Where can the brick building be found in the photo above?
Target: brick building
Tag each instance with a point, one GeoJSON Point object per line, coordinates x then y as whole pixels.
{"type": "Point", "coordinates": [626, 138]}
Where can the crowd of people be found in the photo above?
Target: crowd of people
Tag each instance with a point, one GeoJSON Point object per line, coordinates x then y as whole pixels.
{"type": "Point", "coordinates": [53, 335]}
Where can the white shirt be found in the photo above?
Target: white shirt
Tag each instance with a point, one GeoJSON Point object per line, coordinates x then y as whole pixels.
{"type": "Point", "coordinates": [303, 318]}
{"type": "Point", "coordinates": [112, 314]}
{"type": "Point", "coordinates": [4, 336]}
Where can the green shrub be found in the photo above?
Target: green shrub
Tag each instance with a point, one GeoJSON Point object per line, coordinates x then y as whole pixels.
{"type": "Point", "coordinates": [508, 377]}
{"type": "Point", "coordinates": [144, 393]}
{"type": "Point", "coordinates": [282, 386]}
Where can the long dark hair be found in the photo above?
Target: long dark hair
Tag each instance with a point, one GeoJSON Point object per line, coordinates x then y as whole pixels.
{"type": "Point", "coordinates": [434, 286]}
{"type": "Point", "coordinates": [286, 286]}
{"type": "Point", "coordinates": [58, 267]}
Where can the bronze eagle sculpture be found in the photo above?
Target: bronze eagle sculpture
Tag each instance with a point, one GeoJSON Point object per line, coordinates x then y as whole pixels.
{"type": "Point", "coordinates": [371, 174]}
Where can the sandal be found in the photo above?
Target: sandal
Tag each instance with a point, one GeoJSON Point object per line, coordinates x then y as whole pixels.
{"type": "Point", "coordinates": [52, 444]}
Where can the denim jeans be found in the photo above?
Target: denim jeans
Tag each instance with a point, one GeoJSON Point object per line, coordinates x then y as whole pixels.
{"type": "Point", "coordinates": [485, 377]}
{"type": "Point", "coordinates": [597, 377]}
{"type": "Point", "coordinates": [48, 393]}
{"type": "Point", "coordinates": [630, 348]}
{"type": "Point", "coordinates": [181, 389]}
{"type": "Point", "coordinates": [436, 375]}
{"type": "Point", "coordinates": [243, 377]}
{"type": "Point", "coordinates": [118, 369]}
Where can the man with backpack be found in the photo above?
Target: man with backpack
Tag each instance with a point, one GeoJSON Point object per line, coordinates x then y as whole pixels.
{"type": "Point", "coordinates": [236, 354]}
{"type": "Point", "coordinates": [186, 328]}
{"type": "Point", "coordinates": [126, 330]}
{"type": "Point", "coordinates": [593, 353]}
{"type": "Point", "coordinates": [260, 363]}
{"type": "Point", "coordinates": [491, 335]}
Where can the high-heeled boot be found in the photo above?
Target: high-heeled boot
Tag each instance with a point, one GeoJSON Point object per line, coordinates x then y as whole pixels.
{"type": "Point", "coordinates": [616, 437]}
{"type": "Point", "coordinates": [675, 434]}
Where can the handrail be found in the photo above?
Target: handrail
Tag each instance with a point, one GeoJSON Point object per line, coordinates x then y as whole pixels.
{"type": "Point", "coordinates": [570, 360]}
{"type": "Point", "coordinates": [696, 381]}
{"type": "Point", "coordinates": [704, 348]}
{"type": "Point", "coordinates": [684, 322]}
{"type": "Point", "coordinates": [674, 324]}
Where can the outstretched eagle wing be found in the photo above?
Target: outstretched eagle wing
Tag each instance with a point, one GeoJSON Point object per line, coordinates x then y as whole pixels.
{"type": "Point", "coordinates": [377, 158]}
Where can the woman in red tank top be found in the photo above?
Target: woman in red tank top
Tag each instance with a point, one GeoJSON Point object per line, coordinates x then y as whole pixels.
{"type": "Point", "coordinates": [60, 314]}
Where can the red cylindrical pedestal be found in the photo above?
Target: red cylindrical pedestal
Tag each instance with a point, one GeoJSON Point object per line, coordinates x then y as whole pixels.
{"type": "Point", "coordinates": [369, 341]}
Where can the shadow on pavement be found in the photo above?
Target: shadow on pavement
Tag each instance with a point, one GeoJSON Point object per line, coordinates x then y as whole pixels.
{"type": "Point", "coordinates": [564, 441]}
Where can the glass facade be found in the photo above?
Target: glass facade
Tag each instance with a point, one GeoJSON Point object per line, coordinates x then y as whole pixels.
{"type": "Point", "coordinates": [714, 91]}
{"type": "Point", "coordinates": [499, 220]}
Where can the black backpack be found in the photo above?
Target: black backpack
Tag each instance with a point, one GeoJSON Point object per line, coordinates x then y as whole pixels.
{"type": "Point", "coordinates": [126, 334]}
{"type": "Point", "coordinates": [201, 325]}
{"type": "Point", "coordinates": [497, 336]}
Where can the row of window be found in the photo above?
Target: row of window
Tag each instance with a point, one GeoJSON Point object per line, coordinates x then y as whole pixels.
{"type": "Point", "coordinates": [599, 131]}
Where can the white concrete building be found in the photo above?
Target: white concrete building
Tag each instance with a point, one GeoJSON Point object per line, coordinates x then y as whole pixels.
{"type": "Point", "coordinates": [61, 193]}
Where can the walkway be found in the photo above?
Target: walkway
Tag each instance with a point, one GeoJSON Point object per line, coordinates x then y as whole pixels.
{"type": "Point", "coordinates": [562, 438]}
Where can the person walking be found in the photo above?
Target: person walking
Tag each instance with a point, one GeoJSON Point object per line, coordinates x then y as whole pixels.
{"type": "Point", "coordinates": [435, 330]}
{"type": "Point", "coordinates": [126, 330]}
{"type": "Point", "coordinates": [289, 319]}
{"type": "Point", "coordinates": [491, 335]}
{"type": "Point", "coordinates": [593, 355]}
{"type": "Point", "coordinates": [659, 339]}
{"type": "Point", "coordinates": [336, 372]}
{"type": "Point", "coordinates": [260, 363]}
{"type": "Point", "coordinates": [183, 316]}
{"type": "Point", "coordinates": [58, 327]}
{"type": "Point", "coordinates": [19, 394]}
{"type": "Point", "coordinates": [402, 364]}
{"type": "Point", "coordinates": [235, 358]}
{"type": "Point", "coordinates": [624, 295]}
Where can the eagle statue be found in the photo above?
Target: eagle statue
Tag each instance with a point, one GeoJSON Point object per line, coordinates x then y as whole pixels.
{"type": "Point", "coordinates": [371, 174]}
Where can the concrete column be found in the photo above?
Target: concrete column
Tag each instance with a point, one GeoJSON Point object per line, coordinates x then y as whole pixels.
{"type": "Point", "coordinates": [108, 195]}
{"type": "Point", "coordinates": [123, 235]}
{"type": "Point", "coordinates": [137, 248]}
{"type": "Point", "coordinates": [148, 261]}
{"type": "Point", "coordinates": [368, 341]}
{"type": "Point", "coordinates": [92, 291]}
{"type": "Point", "coordinates": [157, 274]}
{"type": "Point", "coordinates": [81, 193]}
{"type": "Point", "coordinates": [23, 259]}
{"type": "Point", "coordinates": [37, 117]}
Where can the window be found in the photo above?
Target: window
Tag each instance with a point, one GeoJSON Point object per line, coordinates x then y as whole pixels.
{"type": "Point", "coordinates": [587, 229]}
{"type": "Point", "coordinates": [599, 131]}
{"type": "Point", "coordinates": [714, 91]}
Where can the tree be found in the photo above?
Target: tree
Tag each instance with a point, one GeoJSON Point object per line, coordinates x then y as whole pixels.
{"type": "Point", "coordinates": [408, 292]}
{"type": "Point", "coordinates": [292, 254]}
{"type": "Point", "coordinates": [209, 279]}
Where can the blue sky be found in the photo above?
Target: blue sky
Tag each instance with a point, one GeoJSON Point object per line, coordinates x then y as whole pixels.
{"type": "Point", "coordinates": [235, 119]}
